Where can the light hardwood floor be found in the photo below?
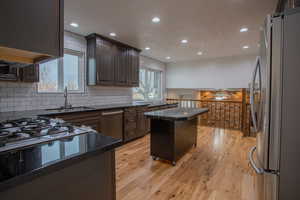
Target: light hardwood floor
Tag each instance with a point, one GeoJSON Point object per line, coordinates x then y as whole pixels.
{"type": "Point", "coordinates": [217, 169]}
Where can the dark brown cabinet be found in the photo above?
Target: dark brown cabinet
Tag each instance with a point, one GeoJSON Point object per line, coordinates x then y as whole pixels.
{"type": "Point", "coordinates": [104, 59]}
{"type": "Point", "coordinates": [130, 124]}
{"type": "Point", "coordinates": [127, 123]}
{"type": "Point", "coordinates": [135, 123]}
{"type": "Point", "coordinates": [112, 123]}
{"type": "Point", "coordinates": [30, 73]}
{"type": "Point", "coordinates": [91, 119]}
{"type": "Point", "coordinates": [133, 68]}
{"type": "Point", "coordinates": [142, 121]}
{"type": "Point", "coordinates": [25, 74]}
{"type": "Point", "coordinates": [120, 66]}
{"type": "Point", "coordinates": [32, 31]}
{"type": "Point", "coordinates": [154, 108]}
{"type": "Point", "coordinates": [111, 63]}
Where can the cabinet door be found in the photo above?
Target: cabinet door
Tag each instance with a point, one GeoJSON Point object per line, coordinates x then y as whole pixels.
{"type": "Point", "coordinates": [120, 65]}
{"type": "Point", "coordinates": [105, 62]}
{"type": "Point", "coordinates": [130, 124]}
{"type": "Point", "coordinates": [31, 25]}
{"type": "Point", "coordinates": [112, 123]}
{"type": "Point", "coordinates": [141, 123]}
{"type": "Point", "coordinates": [30, 73]}
{"type": "Point", "coordinates": [133, 67]}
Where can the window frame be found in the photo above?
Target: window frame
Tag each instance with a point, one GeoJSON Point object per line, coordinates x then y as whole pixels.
{"type": "Point", "coordinates": [60, 70]}
{"type": "Point", "coordinates": [147, 79]}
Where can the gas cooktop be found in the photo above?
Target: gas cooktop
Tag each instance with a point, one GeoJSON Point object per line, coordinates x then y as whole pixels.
{"type": "Point", "coordinates": [29, 131]}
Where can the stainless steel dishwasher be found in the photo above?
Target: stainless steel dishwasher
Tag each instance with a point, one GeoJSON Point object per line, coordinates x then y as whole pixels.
{"type": "Point", "coordinates": [112, 123]}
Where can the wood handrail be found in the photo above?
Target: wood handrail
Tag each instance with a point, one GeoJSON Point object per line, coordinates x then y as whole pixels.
{"type": "Point", "coordinates": [233, 114]}
{"type": "Point", "coordinates": [201, 100]}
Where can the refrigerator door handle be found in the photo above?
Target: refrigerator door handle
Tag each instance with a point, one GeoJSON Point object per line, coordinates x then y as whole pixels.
{"type": "Point", "coordinates": [252, 162]}
{"type": "Point", "coordinates": [252, 85]}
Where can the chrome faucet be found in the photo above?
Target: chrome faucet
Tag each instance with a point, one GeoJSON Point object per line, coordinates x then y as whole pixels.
{"type": "Point", "coordinates": [67, 105]}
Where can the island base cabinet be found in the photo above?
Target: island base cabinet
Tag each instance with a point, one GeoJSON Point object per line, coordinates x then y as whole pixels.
{"type": "Point", "coordinates": [86, 178]}
{"type": "Point", "coordinates": [170, 140]}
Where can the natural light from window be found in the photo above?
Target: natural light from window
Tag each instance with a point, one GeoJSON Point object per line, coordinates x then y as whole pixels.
{"type": "Point", "coordinates": [64, 72]}
{"type": "Point", "coordinates": [150, 88]}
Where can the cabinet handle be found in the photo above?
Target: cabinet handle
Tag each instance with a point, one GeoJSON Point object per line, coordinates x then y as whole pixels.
{"type": "Point", "coordinates": [112, 113]}
{"type": "Point", "coordinates": [131, 120]}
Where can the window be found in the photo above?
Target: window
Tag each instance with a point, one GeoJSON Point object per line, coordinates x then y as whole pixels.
{"type": "Point", "coordinates": [68, 72]}
{"type": "Point", "coordinates": [150, 86]}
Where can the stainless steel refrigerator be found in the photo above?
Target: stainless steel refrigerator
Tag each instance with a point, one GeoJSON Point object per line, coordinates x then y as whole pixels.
{"type": "Point", "coordinates": [275, 108]}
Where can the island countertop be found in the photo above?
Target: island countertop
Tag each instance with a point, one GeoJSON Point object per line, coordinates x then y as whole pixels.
{"type": "Point", "coordinates": [23, 165]}
{"type": "Point", "coordinates": [176, 113]}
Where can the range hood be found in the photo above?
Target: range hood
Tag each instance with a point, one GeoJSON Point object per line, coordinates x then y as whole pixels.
{"type": "Point", "coordinates": [14, 56]}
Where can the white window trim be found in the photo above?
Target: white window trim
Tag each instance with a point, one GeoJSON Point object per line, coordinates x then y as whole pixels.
{"type": "Point", "coordinates": [81, 74]}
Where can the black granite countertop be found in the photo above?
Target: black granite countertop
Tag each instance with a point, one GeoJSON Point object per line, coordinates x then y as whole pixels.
{"type": "Point", "coordinates": [22, 165]}
{"type": "Point", "coordinates": [176, 113]}
{"type": "Point", "coordinates": [33, 113]}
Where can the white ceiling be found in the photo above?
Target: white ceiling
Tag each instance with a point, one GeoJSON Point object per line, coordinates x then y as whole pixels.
{"type": "Point", "coordinates": [211, 26]}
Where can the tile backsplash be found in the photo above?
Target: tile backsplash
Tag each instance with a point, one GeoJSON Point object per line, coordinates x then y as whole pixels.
{"type": "Point", "coordinates": [24, 96]}
{"type": "Point", "coordinates": [16, 96]}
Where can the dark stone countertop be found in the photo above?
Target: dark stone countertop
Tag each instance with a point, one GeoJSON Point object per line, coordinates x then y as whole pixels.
{"type": "Point", "coordinates": [33, 113]}
{"type": "Point", "coordinates": [176, 113]}
{"type": "Point", "coordinates": [22, 165]}
{"type": "Point", "coordinates": [19, 166]}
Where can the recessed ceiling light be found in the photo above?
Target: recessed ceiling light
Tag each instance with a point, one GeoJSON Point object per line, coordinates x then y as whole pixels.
{"type": "Point", "coordinates": [147, 48]}
{"type": "Point", "coordinates": [184, 41]}
{"type": "Point", "coordinates": [155, 19]}
{"type": "Point", "coordinates": [113, 34]}
{"type": "Point", "coordinates": [245, 29]}
{"type": "Point", "coordinates": [200, 53]}
{"type": "Point", "coordinates": [74, 24]}
{"type": "Point", "coordinates": [246, 47]}
{"type": "Point", "coordinates": [168, 57]}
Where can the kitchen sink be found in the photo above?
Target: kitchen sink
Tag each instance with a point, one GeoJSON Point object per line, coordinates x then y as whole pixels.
{"type": "Point", "coordinates": [69, 109]}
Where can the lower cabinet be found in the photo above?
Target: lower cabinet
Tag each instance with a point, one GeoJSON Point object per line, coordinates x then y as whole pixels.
{"type": "Point", "coordinates": [154, 108]}
{"type": "Point", "coordinates": [91, 119]}
{"type": "Point", "coordinates": [135, 123]}
{"type": "Point", "coordinates": [125, 123]}
{"type": "Point", "coordinates": [130, 124]}
{"type": "Point", "coordinates": [91, 177]}
{"type": "Point", "coordinates": [112, 123]}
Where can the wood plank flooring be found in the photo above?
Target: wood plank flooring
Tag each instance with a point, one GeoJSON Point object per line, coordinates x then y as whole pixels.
{"type": "Point", "coordinates": [217, 169]}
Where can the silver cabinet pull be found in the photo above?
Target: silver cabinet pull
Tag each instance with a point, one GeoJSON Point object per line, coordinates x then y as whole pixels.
{"type": "Point", "coordinates": [257, 170]}
{"type": "Point", "coordinates": [112, 113]}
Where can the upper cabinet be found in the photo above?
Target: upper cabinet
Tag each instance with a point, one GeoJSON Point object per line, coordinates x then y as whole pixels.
{"type": "Point", "coordinates": [31, 30]}
{"type": "Point", "coordinates": [111, 63]}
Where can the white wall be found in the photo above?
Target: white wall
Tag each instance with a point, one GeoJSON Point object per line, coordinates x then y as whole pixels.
{"type": "Point", "coordinates": [228, 72]}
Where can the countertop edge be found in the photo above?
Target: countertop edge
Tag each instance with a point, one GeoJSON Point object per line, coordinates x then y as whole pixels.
{"type": "Point", "coordinates": [33, 113]}
{"type": "Point", "coordinates": [170, 118]}
{"type": "Point", "coordinates": [6, 185]}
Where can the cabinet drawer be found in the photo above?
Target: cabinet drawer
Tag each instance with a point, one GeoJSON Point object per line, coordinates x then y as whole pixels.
{"type": "Point", "coordinates": [130, 125]}
{"type": "Point", "coordinates": [80, 116]}
{"type": "Point", "coordinates": [130, 134]}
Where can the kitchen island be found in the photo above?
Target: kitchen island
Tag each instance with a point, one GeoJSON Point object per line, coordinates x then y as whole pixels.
{"type": "Point", "coordinates": [173, 132]}
{"type": "Point", "coordinates": [79, 167]}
